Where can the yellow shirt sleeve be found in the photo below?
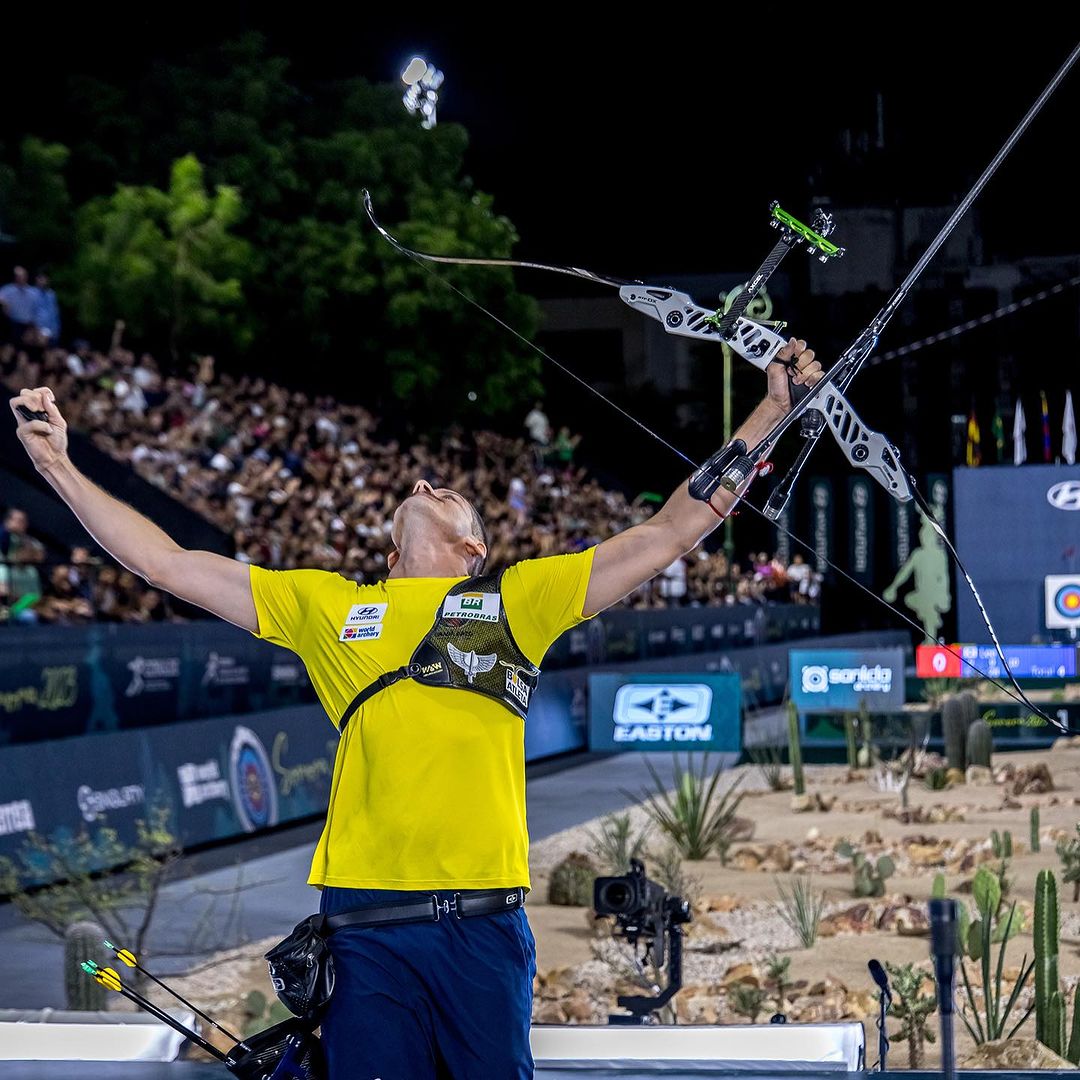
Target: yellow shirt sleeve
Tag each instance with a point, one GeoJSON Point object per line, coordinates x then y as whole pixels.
{"type": "Point", "coordinates": [282, 599]}
{"type": "Point", "coordinates": [544, 598]}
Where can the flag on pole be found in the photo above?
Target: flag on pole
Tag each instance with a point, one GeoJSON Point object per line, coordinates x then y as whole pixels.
{"type": "Point", "coordinates": [974, 437]}
{"type": "Point", "coordinates": [997, 429]}
{"type": "Point", "coordinates": [1068, 431]}
{"type": "Point", "coordinates": [1019, 430]}
{"type": "Point", "coordinates": [1045, 425]}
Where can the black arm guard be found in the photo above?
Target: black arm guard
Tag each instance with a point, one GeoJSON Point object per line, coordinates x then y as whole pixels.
{"type": "Point", "coordinates": [711, 475]}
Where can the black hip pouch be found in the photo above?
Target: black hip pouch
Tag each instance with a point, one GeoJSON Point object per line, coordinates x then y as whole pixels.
{"type": "Point", "coordinates": [302, 968]}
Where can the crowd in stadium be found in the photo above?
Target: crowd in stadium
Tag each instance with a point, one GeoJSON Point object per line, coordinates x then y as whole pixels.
{"type": "Point", "coordinates": [301, 481]}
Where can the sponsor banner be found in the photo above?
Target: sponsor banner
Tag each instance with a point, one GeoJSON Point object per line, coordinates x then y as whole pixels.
{"type": "Point", "coordinates": [110, 678]}
{"type": "Point", "coordinates": [665, 711]}
{"type": "Point", "coordinates": [841, 680]}
{"type": "Point", "coordinates": [861, 529]}
{"type": "Point", "coordinates": [1011, 564]}
{"type": "Point", "coordinates": [215, 778]}
{"type": "Point", "coordinates": [900, 531]}
{"type": "Point", "coordinates": [821, 523]}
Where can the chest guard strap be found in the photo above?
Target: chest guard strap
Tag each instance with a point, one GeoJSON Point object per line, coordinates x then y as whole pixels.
{"type": "Point", "coordinates": [469, 647]}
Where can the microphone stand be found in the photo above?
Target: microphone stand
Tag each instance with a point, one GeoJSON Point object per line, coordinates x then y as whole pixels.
{"type": "Point", "coordinates": [943, 923]}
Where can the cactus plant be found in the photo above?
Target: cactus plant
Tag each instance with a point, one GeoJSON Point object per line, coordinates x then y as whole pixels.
{"type": "Point", "coordinates": [980, 744]}
{"type": "Point", "coordinates": [869, 876]}
{"type": "Point", "coordinates": [852, 745]}
{"type": "Point", "coordinates": [1001, 843]}
{"type": "Point", "coordinates": [1069, 853]}
{"type": "Point", "coordinates": [1046, 958]}
{"type": "Point", "coordinates": [1034, 819]}
{"type": "Point", "coordinates": [970, 704]}
{"type": "Point", "coordinates": [571, 883]}
{"type": "Point", "coordinates": [795, 749]}
{"type": "Point", "coordinates": [954, 728]}
{"type": "Point", "coordinates": [82, 943]}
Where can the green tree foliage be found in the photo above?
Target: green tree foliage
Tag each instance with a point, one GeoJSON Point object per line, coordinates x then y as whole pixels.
{"type": "Point", "coordinates": [325, 294]}
{"type": "Point", "coordinates": [35, 205]}
{"type": "Point", "coordinates": [167, 262]}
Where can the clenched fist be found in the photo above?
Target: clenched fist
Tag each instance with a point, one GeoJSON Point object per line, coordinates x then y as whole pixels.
{"type": "Point", "coordinates": [45, 440]}
{"type": "Point", "coordinates": [794, 365]}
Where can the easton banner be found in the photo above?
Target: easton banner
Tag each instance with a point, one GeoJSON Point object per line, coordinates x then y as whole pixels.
{"type": "Point", "coordinates": [665, 711]}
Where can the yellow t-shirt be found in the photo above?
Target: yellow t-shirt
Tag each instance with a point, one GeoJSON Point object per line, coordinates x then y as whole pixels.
{"type": "Point", "coordinates": [429, 782]}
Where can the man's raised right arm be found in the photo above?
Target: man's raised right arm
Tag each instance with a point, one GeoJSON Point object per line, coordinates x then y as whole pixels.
{"type": "Point", "coordinates": [220, 585]}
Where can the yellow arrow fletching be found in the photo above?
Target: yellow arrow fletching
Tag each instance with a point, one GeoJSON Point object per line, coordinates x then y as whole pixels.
{"type": "Point", "coordinates": [107, 977]}
{"type": "Point", "coordinates": [127, 956]}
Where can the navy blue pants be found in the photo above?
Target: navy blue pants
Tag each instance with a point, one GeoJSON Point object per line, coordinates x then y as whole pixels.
{"type": "Point", "coordinates": [446, 1000]}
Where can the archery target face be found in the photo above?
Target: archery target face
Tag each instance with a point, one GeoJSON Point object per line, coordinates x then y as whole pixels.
{"type": "Point", "coordinates": [1062, 601]}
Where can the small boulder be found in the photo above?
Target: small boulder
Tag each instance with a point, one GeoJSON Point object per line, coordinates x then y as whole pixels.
{"type": "Point", "coordinates": [978, 776]}
{"type": "Point", "coordinates": [1014, 1054]}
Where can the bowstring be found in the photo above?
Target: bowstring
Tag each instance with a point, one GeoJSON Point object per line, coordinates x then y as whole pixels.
{"type": "Point", "coordinates": [1019, 699]}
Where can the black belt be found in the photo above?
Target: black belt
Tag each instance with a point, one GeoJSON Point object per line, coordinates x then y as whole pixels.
{"type": "Point", "coordinates": [430, 908]}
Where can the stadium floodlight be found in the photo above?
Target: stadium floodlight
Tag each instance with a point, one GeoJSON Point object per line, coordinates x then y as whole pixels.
{"type": "Point", "coordinates": [422, 81]}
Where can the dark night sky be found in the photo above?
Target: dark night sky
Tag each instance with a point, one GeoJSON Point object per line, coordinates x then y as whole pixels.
{"type": "Point", "coordinates": [654, 142]}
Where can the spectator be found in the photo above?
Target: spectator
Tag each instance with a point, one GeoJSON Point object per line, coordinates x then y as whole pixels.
{"type": "Point", "coordinates": [19, 301]}
{"type": "Point", "coordinates": [20, 582]}
{"type": "Point", "coordinates": [517, 500]}
{"type": "Point", "coordinates": [564, 447]}
{"type": "Point", "coordinates": [303, 482]}
{"type": "Point", "coordinates": [539, 428]}
{"type": "Point", "coordinates": [46, 311]}
{"type": "Point", "coordinates": [799, 579]}
{"type": "Point", "coordinates": [672, 581]}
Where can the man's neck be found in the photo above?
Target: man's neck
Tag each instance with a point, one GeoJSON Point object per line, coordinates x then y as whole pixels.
{"type": "Point", "coordinates": [420, 558]}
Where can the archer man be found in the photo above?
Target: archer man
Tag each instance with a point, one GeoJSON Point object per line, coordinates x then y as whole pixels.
{"type": "Point", "coordinates": [428, 677]}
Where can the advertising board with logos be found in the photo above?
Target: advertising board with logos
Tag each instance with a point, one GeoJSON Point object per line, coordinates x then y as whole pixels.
{"type": "Point", "coordinates": [214, 778]}
{"type": "Point", "coordinates": [845, 680]}
{"type": "Point", "coordinates": [665, 711]}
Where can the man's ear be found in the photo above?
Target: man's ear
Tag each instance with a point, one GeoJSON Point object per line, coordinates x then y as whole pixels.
{"type": "Point", "coordinates": [475, 548]}
{"type": "Point", "coordinates": [392, 558]}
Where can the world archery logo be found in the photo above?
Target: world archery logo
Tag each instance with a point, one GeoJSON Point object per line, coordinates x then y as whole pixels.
{"type": "Point", "coordinates": [255, 796]}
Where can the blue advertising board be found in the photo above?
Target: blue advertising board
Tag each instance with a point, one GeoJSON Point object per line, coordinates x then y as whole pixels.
{"type": "Point", "coordinates": [842, 680]}
{"type": "Point", "coordinates": [1025, 661]}
{"type": "Point", "coordinates": [665, 711]}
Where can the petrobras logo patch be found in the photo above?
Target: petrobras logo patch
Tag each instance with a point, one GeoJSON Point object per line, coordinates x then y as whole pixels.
{"type": "Point", "coordinates": [484, 607]}
{"type": "Point", "coordinates": [363, 623]}
{"type": "Point", "coordinates": [254, 792]}
{"type": "Point", "coordinates": [818, 678]}
{"type": "Point", "coordinates": [657, 712]}
{"type": "Point", "coordinates": [1065, 496]}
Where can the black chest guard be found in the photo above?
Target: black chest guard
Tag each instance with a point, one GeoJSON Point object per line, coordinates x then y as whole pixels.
{"type": "Point", "coordinates": [470, 647]}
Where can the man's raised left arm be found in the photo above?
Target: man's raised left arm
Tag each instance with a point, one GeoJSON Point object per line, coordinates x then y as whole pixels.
{"type": "Point", "coordinates": [629, 559]}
